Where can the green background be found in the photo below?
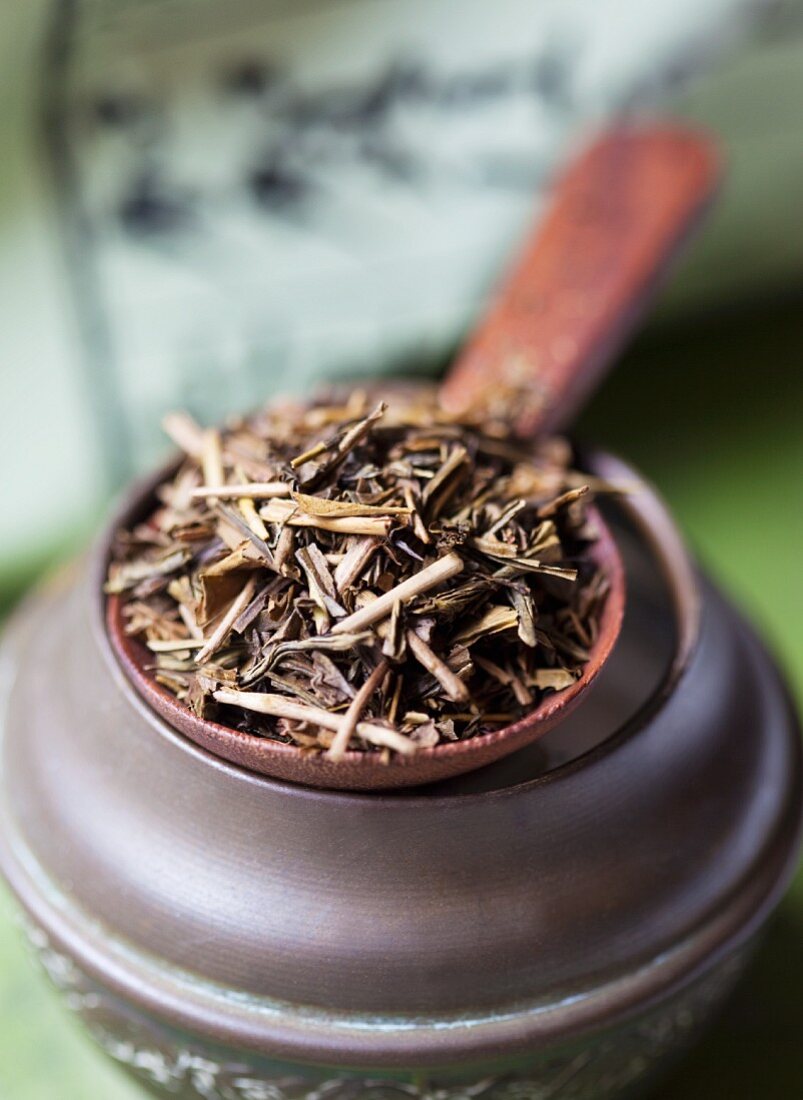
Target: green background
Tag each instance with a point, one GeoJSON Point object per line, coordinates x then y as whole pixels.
{"type": "Point", "coordinates": [711, 412]}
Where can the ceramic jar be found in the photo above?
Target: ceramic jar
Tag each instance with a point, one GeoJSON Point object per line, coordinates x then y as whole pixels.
{"type": "Point", "coordinates": [558, 925]}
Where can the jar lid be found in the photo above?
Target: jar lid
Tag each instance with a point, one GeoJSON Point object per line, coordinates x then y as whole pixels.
{"type": "Point", "coordinates": [559, 890]}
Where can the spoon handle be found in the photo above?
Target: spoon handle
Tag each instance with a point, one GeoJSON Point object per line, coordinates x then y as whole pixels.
{"type": "Point", "coordinates": [588, 270]}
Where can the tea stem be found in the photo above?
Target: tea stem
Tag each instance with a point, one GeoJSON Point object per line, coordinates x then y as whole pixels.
{"type": "Point", "coordinates": [451, 684]}
{"type": "Point", "coordinates": [432, 575]}
{"type": "Point", "coordinates": [255, 490]}
{"type": "Point", "coordinates": [225, 625]}
{"type": "Point", "coordinates": [348, 723]}
{"type": "Point", "coordinates": [279, 706]}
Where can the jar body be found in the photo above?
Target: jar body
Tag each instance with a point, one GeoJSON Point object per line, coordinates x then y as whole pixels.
{"type": "Point", "coordinates": [167, 1062]}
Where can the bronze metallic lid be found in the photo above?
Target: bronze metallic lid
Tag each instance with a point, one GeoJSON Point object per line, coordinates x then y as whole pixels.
{"type": "Point", "coordinates": [560, 889]}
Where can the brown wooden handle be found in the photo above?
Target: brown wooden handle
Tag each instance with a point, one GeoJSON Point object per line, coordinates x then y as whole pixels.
{"type": "Point", "coordinates": [588, 270]}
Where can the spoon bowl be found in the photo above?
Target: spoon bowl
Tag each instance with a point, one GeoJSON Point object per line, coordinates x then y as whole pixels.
{"type": "Point", "coordinates": [357, 770]}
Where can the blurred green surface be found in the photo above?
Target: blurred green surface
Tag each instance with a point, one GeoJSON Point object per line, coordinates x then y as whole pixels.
{"type": "Point", "coordinates": [712, 414]}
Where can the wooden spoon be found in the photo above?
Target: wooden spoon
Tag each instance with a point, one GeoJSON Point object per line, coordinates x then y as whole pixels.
{"type": "Point", "coordinates": [615, 222]}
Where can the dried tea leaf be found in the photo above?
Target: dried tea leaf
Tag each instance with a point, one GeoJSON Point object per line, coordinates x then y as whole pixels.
{"type": "Point", "coordinates": [281, 511]}
{"type": "Point", "coordinates": [447, 480]}
{"type": "Point", "coordinates": [241, 524]}
{"type": "Point", "coordinates": [354, 561]}
{"type": "Point", "coordinates": [561, 501]}
{"type": "Point", "coordinates": [319, 580]}
{"type": "Point", "coordinates": [125, 575]}
{"type": "Point", "coordinates": [220, 582]}
{"type": "Point", "coordinates": [523, 602]}
{"type": "Point", "coordinates": [320, 506]}
{"type": "Point", "coordinates": [553, 679]}
{"type": "Point", "coordinates": [493, 621]}
{"type": "Point", "coordinates": [395, 642]}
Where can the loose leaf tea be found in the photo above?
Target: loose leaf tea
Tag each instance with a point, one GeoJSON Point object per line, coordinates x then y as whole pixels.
{"type": "Point", "coordinates": [363, 577]}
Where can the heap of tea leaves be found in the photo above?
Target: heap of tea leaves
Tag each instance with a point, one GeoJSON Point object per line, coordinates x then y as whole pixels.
{"type": "Point", "coordinates": [344, 576]}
